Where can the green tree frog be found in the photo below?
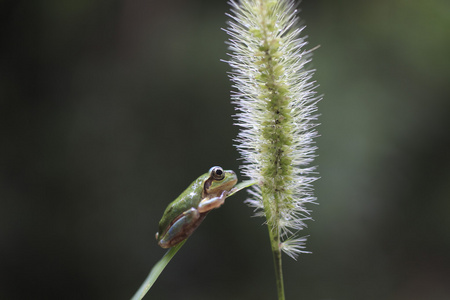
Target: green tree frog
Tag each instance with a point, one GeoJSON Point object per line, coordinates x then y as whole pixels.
{"type": "Point", "coordinates": [186, 212]}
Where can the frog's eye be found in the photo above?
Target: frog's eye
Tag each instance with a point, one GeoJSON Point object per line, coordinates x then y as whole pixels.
{"type": "Point", "coordinates": [217, 173]}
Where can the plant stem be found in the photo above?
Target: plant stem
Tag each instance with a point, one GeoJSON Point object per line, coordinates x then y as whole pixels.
{"type": "Point", "coordinates": [276, 251]}
{"type": "Point", "coordinates": [156, 271]}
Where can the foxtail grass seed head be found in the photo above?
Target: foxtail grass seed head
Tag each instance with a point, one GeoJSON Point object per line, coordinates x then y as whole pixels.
{"type": "Point", "coordinates": [277, 114]}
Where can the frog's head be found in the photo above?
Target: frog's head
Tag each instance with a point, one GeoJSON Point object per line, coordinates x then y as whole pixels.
{"type": "Point", "coordinates": [219, 180]}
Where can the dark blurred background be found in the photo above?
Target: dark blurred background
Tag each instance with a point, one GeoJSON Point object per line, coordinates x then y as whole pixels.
{"type": "Point", "coordinates": [109, 109]}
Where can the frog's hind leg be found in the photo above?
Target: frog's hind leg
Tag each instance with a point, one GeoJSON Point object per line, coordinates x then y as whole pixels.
{"type": "Point", "coordinates": [182, 228]}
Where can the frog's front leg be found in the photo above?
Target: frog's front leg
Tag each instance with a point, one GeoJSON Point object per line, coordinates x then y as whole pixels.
{"type": "Point", "coordinates": [181, 228]}
{"type": "Point", "coordinates": [210, 203]}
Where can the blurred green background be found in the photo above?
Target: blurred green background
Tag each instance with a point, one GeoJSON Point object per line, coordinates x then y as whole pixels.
{"type": "Point", "coordinates": [109, 109]}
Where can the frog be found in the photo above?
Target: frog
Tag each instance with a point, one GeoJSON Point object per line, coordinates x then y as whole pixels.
{"type": "Point", "coordinates": [189, 209]}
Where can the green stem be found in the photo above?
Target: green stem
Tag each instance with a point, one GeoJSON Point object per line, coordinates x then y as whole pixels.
{"type": "Point", "coordinates": [278, 271]}
{"type": "Point", "coordinates": [156, 271]}
{"type": "Point", "coordinates": [276, 251]}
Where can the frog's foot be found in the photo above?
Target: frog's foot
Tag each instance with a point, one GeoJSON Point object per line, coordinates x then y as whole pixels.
{"type": "Point", "coordinates": [181, 228]}
{"type": "Point", "coordinates": [208, 204]}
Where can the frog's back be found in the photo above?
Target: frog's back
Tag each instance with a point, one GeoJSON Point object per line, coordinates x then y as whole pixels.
{"type": "Point", "coordinates": [191, 197]}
